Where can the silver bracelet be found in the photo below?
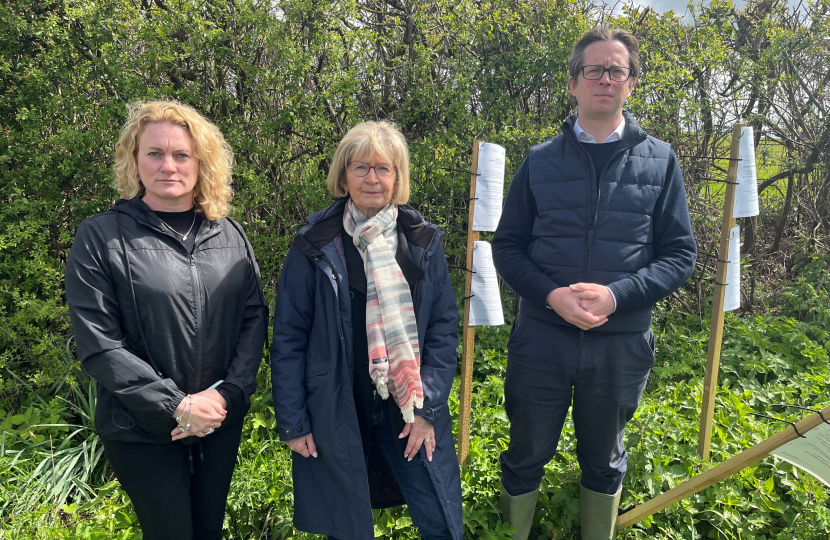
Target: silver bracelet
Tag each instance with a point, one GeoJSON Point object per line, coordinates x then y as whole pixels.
{"type": "Point", "coordinates": [185, 428]}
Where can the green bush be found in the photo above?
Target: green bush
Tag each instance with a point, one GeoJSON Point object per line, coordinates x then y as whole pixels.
{"type": "Point", "coordinates": [284, 80]}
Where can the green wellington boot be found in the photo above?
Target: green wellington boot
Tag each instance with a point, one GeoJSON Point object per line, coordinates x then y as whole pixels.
{"type": "Point", "coordinates": [598, 514]}
{"type": "Point", "coordinates": [518, 511]}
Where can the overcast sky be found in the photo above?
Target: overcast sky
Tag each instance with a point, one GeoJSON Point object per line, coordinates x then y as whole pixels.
{"type": "Point", "coordinates": [679, 6]}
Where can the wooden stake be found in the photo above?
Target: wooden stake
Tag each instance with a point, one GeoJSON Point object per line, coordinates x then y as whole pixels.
{"type": "Point", "coordinates": [710, 383]}
{"type": "Point", "coordinates": [748, 457]}
{"type": "Point", "coordinates": [468, 332]}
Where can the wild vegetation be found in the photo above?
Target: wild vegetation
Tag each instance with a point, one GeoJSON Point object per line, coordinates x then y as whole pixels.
{"type": "Point", "coordinates": [284, 80]}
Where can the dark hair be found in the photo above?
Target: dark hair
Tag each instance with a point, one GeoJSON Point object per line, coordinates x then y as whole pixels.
{"type": "Point", "coordinates": [603, 33]}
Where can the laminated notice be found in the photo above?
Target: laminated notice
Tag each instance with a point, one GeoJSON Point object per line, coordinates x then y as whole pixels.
{"type": "Point", "coordinates": [489, 187]}
{"type": "Point", "coordinates": [812, 453]}
{"type": "Point", "coordinates": [485, 304]}
{"type": "Point", "coordinates": [732, 296]}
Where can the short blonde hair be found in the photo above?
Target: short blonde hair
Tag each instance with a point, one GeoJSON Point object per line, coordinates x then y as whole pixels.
{"type": "Point", "coordinates": [213, 192]}
{"type": "Point", "coordinates": [364, 141]}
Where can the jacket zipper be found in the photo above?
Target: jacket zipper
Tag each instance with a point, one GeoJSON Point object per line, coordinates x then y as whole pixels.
{"type": "Point", "coordinates": [196, 285]}
{"type": "Point", "coordinates": [196, 281]}
{"type": "Point", "coordinates": [415, 293]}
{"type": "Point", "coordinates": [197, 296]}
{"type": "Point", "coordinates": [337, 310]}
{"type": "Point", "coordinates": [596, 202]}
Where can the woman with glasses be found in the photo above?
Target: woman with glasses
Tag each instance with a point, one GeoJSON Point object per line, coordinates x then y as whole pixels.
{"type": "Point", "coordinates": [364, 352]}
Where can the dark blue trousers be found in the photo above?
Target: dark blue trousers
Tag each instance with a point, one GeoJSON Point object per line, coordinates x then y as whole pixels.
{"type": "Point", "coordinates": [551, 368]}
{"type": "Point", "coordinates": [424, 507]}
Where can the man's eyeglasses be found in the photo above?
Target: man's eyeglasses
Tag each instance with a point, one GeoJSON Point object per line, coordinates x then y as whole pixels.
{"type": "Point", "coordinates": [595, 73]}
{"type": "Point", "coordinates": [382, 170]}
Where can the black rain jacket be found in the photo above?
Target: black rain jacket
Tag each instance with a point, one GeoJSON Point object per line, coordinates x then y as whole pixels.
{"type": "Point", "coordinates": [203, 316]}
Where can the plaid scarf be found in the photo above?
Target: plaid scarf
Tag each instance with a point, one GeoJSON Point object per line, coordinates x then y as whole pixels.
{"type": "Point", "coordinates": [394, 353]}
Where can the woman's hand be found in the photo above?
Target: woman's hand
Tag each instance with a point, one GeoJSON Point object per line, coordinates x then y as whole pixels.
{"type": "Point", "coordinates": [420, 432]}
{"type": "Point", "coordinates": [215, 396]}
{"type": "Point", "coordinates": [303, 445]}
{"type": "Point", "coordinates": [206, 415]}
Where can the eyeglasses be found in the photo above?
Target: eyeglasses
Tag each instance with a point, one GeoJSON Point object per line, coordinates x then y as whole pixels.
{"type": "Point", "coordinates": [595, 73]}
{"type": "Point", "coordinates": [382, 170]}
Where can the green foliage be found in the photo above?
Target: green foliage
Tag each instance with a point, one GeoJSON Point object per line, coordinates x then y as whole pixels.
{"type": "Point", "coordinates": [284, 81]}
{"type": "Point", "coordinates": [766, 359]}
{"type": "Point", "coordinates": [49, 451]}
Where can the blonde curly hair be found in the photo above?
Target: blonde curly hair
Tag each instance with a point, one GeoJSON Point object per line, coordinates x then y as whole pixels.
{"type": "Point", "coordinates": [213, 192]}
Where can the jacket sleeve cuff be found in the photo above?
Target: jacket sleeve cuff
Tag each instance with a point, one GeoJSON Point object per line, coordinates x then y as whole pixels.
{"type": "Point", "coordinates": [234, 396]}
{"type": "Point", "coordinates": [540, 290]}
{"type": "Point", "coordinates": [426, 413]}
{"type": "Point", "coordinates": [239, 383]}
{"type": "Point", "coordinates": [624, 292]}
{"type": "Point", "coordinates": [173, 402]}
{"type": "Point", "coordinates": [301, 430]}
{"type": "Point", "coordinates": [613, 297]}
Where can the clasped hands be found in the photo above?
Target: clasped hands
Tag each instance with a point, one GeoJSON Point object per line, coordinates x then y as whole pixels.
{"type": "Point", "coordinates": [420, 432]}
{"type": "Point", "coordinates": [585, 305]}
{"type": "Point", "coordinates": [207, 414]}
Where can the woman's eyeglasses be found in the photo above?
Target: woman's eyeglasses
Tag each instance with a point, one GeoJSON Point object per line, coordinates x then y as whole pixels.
{"type": "Point", "coordinates": [382, 170]}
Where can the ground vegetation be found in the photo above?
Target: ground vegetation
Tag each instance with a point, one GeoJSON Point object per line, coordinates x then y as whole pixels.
{"type": "Point", "coordinates": [284, 80]}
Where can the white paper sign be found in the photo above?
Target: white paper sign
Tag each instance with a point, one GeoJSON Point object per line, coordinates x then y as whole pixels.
{"type": "Point", "coordinates": [485, 305]}
{"type": "Point", "coordinates": [811, 454]}
{"type": "Point", "coordinates": [746, 192]}
{"type": "Point", "coordinates": [489, 187]}
{"type": "Point", "coordinates": [732, 297]}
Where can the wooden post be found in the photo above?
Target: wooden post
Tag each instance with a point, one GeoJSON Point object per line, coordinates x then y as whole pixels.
{"type": "Point", "coordinates": [710, 383]}
{"type": "Point", "coordinates": [748, 457]}
{"type": "Point", "coordinates": [468, 332]}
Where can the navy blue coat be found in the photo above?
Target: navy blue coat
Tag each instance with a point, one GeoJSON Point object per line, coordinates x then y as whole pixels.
{"type": "Point", "coordinates": [629, 229]}
{"type": "Point", "coordinates": [312, 369]}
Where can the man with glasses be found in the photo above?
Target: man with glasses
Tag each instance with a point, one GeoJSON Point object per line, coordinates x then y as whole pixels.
{"type": "Point", "coordinates": [595, 230]}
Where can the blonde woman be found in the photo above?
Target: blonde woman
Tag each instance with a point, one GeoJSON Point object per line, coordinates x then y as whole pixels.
{"type": "Point", "coordinates": [364, 353]}
{"type": "Point", "coordinates": [167, 307]}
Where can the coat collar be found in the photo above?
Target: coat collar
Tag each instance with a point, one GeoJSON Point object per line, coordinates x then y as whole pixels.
{"type": "Point", "coordinates": [632, 135]}
{"type": "Point", "coordinates": [322, 227]}
{"type": "Point", "coordinates": [138, 210]}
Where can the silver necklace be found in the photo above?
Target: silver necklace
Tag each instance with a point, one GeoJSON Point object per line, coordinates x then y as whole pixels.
{"type": "Point", "coordinates": [177, 232]}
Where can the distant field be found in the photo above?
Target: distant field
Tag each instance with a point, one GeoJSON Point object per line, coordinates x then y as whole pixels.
{"type": "Point", "coordinates": [770, 159]}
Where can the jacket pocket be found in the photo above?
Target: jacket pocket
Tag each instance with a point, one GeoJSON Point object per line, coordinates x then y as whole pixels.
{"type": "Point", "coordinates": [120, 418]}
{"type": "Point", "coordinates": [517, 322]}
{"type": "Point", "coordinates": [315, 367]}
{"type": "Point", "coordinates": [648, 343]}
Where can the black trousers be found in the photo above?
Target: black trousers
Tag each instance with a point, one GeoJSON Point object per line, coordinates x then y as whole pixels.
{"type": "Point", "coordinates": [171, 503]}
{"type": "Point", "coordinates": [549, 369]}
